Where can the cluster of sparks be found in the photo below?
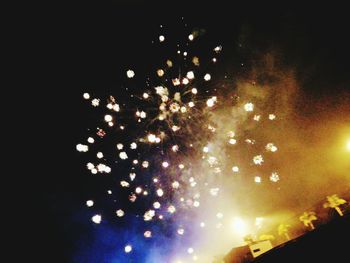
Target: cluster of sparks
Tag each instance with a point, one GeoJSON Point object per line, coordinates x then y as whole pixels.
{"type": "Point", "coordinates": [173, 128]}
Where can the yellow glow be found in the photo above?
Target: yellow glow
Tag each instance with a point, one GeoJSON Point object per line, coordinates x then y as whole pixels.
{"type": "Point", "coordinates": [348, 145]}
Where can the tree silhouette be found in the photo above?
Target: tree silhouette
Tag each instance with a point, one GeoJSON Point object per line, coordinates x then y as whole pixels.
{"type": "Point", "coordinates": [264, 237]}
{"type": "Point", "coordinates": [283, 230]}
{"type": "Point", "coordinates": [307, 218]}
{"type": "Point", "coordinates": [333, 201]}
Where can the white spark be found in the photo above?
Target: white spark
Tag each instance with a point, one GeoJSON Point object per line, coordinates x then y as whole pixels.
{"type": "Point", "coordinates": [145, 164]}
{"type": "Point", "coordinates": [90, 166]}
{"type": "Point", "coordinates": [138, 190]}
{"type": "Point", "coordinates": [207, 77]}
{"type": "Point", "coordinates": [128, 248]}
{"type": "Point", "coordinates": [171, 209]}
{"type": "Point", "coordinates": [219, 215]}
{"type": "Point", "coordinates": [258, 160]}
{"type": "Point", "coordinates": [130, 73]}
{"type": "Point", "coordinates": [147, 234]}
{"type": "Point", "coordinates": [257, 179]}
{"type": "Point", "coordinates": [190, 75]}
{"type": "Point", "coordinates": [160, 192]}
{"type": "Point", "coordinates": [232, 141]}
{"type": "Point", "coordinates": [181, 231]}
{"type": "Point", "coordinates": [156, 205]}
{"type": "Point", "coordinates": [175, 184]}
{"type": "Point", "coordinates": [218, 49]}
{"type": "Point", "coordinates": [95, 102]}
{"type": "Point", "coordinates": [235, 169]}
{"type": "Point", "coordinates": [116, 107]}
{"type": "Point", "coordinates": [249, 106]}
{"type": "Point", "coordinates": [108, 118]}
{"type": "Point", "coordinates": [96, 219]}
{"type": "Point", "coordinates": [123, 155]}
{"type": "Point", "coordinates": [214, 191]}
{"type": "Point", "coordinates": [124, 184]}
{"type": "Point", "coordinates": [149, 215]}
{"type": "Point", "coordinates": [82, 148]}
{"type": "Point", "coordinates": [160, 72]}
{"type": "Point", "coordinates": [120, 213]}
{"type": "Point", "coordinates": [132, 176]}
{"type": "Point", "coordinates": [274, 177]}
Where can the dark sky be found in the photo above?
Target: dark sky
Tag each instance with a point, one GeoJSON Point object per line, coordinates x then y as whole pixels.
{"type": "Point", "coordinates": [84, 44]}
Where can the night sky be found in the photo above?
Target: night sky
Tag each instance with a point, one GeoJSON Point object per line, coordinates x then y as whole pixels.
{"type": "Point", "coordinates": [89, 46]}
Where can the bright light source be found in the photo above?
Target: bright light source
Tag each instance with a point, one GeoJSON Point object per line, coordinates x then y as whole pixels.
{"type": "Point", "coordinates": [348, 145]}
{"type": "Point", "coordinates": [239, 227]}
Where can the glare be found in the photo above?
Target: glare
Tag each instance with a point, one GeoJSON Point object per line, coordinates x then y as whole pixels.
{"type": "Point", "coordinates": [239, 226]}
{"type": "Point", "coordinates": [348, 145]}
